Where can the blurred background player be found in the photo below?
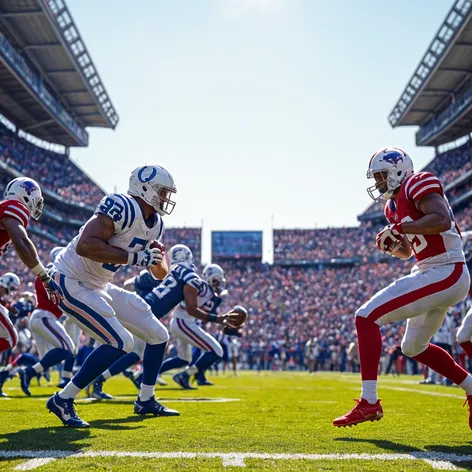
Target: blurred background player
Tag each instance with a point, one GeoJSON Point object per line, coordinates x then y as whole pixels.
{"type": "Point", "coordinates": [121, 232]}
{"type": "Point", "coordinates": [185, 326]}
{"type": "Point", "coordinates": [9, 283]}
{"type": "Point", "coordinates": [53, 343]}
{"type": "Point", "coordinates": [183, 284]}
{"type": "Point", "coordinates": [421, 223]}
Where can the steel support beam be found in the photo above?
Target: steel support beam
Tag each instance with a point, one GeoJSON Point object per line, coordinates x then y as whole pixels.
{"type": "Point", "coordinates": [54, 44]}
{"type": "Point", "coordinates": [19, 14]}
{"type": "Point", "coordinates": [60, 72]}
{"type": "Point", "coordinates": [456, 69]}
{"type": "Point", "coordinates": [38, 125]}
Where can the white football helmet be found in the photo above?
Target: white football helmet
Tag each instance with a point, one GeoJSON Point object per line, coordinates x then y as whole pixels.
{"type": "Point", "coordinates": [28, 192]}
{"type": "Point", "coordinates": [10, 282]}
{"type": "Point", "coordinates": [395, 165]}
{"type": "Point", "coordinates": [155, 186]}
{"type": "Point", "coordinates": [29, 297]}
{"type": "Point", "coordinates": [215, 276]}
{"type": "Point", "coordinates": [181, 254]}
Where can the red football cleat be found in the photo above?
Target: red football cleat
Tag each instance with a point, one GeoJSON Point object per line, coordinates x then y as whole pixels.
{"type": "Point", "coordinates": [363, 411]}
{"type": "Point", "coordinates": [469, 401]}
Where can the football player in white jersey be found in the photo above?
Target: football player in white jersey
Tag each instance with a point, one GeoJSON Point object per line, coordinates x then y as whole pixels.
{"type": "Point", "coordinates": [121, 232]}
{"type": "Point", "coordinates": [189, 333]}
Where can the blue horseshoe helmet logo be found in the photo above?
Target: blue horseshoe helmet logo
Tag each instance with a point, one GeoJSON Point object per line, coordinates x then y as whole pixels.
{"type": "Point", "coordinates": [148, 178]}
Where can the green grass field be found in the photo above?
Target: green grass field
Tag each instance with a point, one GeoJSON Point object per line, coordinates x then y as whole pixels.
{"type": "Point", "coordinates": [257, 417]}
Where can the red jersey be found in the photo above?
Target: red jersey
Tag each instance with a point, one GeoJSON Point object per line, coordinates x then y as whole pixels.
{"type": "Point", "coordinates": [43, 300]}
{"type": "Point", "coordinates": [12, 209]}
{"type": "Point", "coordinates": [435, 249]}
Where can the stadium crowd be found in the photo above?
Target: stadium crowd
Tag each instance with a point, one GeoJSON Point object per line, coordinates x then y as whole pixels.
{"type": "Point", "coordinates": [289, 306]}
{"type": "Point", "coordinates": [55, 171]}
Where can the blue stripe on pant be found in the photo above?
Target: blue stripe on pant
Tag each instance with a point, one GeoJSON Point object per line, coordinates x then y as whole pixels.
{"type": "Point", "coordinates": [96, 316]}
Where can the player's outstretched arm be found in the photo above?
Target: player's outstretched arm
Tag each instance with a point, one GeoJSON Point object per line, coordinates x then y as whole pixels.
{"type": "Point", "coordinates": [29, 256]}
{"type": "Point", "coordinates": [93, 242]}
{"type": "Point", "coordinates": [191, 304]}
{"type": "Point", "coordinates": [23, 244]}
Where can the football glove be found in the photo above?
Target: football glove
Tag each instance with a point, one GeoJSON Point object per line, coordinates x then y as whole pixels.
{"type": "Point", "coordinates": [146, 258]}
{"type": "Point", "coordinates": [52, 289]}
{"type": "Point", "coordinates": [389, 240]}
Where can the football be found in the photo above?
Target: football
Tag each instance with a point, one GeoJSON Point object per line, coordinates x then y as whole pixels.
{"type": "Point", "coordinates": [243, 314]}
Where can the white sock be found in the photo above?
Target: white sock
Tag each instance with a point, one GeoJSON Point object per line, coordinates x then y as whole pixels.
{"type": "Point", "coordinates": [38, 367]}
{"type": "Point", "coordinates": [466, 385]}
{"type": "Point", "coordinates": [69, 391]}
{"type": "Point", "coordinates": [147, 391]}
{"type": "Point", "coordinates": [67, 374]}
{"type": "Point", "coordinates": [369, 391]}
{"type": "Point", "coordinates": [192, 370]}
{"type": "Point", "coordinates": [106, 374]}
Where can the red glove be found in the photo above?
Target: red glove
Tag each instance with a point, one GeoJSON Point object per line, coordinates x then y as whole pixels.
{"type": "Point", "coordinates": [389, 239]}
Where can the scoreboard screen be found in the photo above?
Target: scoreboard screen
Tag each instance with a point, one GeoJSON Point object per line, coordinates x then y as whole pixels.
{"type": "Point", "coordinates": [236, 245]}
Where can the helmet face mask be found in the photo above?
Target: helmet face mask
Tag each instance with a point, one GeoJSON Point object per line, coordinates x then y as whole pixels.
{"type": "Point", "coordinates": [165, 203]}
{"type": "Point", "coordinates": [389, 167]}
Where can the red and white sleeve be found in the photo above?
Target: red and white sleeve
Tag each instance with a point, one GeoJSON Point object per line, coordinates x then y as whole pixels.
{"type": "Point", "coordinates": [14, 209]}
{"type": "Point", "coordinates": [421, 185]}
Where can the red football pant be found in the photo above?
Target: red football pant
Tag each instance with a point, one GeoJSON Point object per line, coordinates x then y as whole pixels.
{"type": "Point", "coordinates": [370, 347]}
{"type": "Point", "coordinates": [467, 346]}
{"type": "Point", "coordinates": [4, 345]}
{"type": "Point", "coordinates": [442, 362]}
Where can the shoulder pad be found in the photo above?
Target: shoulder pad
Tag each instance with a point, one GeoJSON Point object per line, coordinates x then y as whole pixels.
{"type": "Point", "coordinates": [119, 208]}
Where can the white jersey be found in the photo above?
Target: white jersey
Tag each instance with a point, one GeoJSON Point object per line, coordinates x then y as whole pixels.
{"type": "Point", "coordinates": [207, 301]}
{"type": "Point", "coordinates": [131, 234]}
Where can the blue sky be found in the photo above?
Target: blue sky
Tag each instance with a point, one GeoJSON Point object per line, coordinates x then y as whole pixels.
{"type": "Point", "coordinates": [257, 107]}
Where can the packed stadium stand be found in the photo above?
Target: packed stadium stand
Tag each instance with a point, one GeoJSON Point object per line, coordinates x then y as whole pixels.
{"type": "Point", "coordinates": [49, 87]}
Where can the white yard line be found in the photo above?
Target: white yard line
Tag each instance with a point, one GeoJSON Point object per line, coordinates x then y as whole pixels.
{"type": "Point", "coordinates": [437, 460]}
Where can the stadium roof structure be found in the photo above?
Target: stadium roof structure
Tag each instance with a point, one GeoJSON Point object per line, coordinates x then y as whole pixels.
{"type": "Point", "coordinates": [444, 72]}
{"type": "Point", "coordinates": [45, 35]}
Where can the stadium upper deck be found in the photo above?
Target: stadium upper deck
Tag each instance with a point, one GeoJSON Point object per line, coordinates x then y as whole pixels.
{"type": "Point", "coordinates": [50, 86]}
{"type": "Point", "coordinates": [438, 97]}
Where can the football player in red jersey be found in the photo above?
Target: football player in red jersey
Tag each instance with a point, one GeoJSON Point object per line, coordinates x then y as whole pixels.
{"type": "Point", "coordinates": [52, 340]}
{"type": "Point", "coordinates": [421, 224]}
{"type": "Point", "coordinates": [23, 199]}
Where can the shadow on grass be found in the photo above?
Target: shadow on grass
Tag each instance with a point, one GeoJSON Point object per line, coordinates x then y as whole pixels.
{"type": "Point", "coordinates": [382, 444]}
{"type": "Point", "coordinates": [61, 437]}
{"type": "Point", "coordinates": [48, 438]}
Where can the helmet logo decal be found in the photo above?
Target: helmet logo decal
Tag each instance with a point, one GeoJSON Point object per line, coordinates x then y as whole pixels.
{"type": "Point", "coordinates": [145, 179]}
{"type": "Point", "coordinates": [393, 157]}
{"type": "Point", "coordinates": [29, 186]}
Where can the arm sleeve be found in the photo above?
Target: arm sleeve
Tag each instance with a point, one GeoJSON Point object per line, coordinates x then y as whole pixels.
{"type": "Point", "coordinates": [421, 185]}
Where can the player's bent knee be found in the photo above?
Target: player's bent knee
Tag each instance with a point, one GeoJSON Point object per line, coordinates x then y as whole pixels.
{"type": "Point", "coordinates": [218, 350]}
{"type": "Point", "coordinates": [158, 335]}
{"type": "Point", "coordinates": [413, 349]}
{"type": "Point", "coordinates": [127, 341]}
